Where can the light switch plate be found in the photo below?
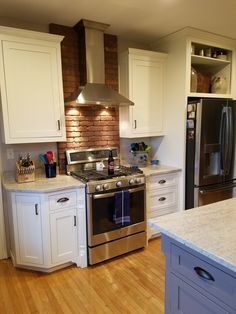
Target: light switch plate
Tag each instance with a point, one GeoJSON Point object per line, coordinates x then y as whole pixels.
{"type": "Point", "coordinates": [10, 153]}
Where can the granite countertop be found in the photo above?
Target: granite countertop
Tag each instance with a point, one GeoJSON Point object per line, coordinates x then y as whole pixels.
{"type": "Point", "coordinates": [159, 169]}
{"type": "Point", "coordinates": [209, 230]}
{"type": "Point", "coordinates": [41, 184]}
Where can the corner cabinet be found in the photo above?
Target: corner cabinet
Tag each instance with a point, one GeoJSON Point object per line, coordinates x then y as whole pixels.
{"type": "Point", "coordinates": [31, 87]}
{"type": "Point", "coordinates": [142, 80]}
{"type": "Point", "coordinates": [47, 230]}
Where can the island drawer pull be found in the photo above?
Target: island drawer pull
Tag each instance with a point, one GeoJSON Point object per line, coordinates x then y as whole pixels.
{"type": "Point", "coordinates": [162, 199]}
{"type": "Point", "coordinates": [204, 274]}
{"type": "Point", "coordinates": [162, 181]}
{"type": "Point", "coordinates": [63, 200]}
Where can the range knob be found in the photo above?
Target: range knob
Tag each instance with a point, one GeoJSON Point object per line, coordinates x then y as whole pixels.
{"type": "Point", "coordinates": [98, 188]}
{"type": "Point", "coordinates": [137, 180]}
{"type": "Point", "coordinates": [105, 186]}
{"type": "Point", "coordinates": [131, 181]}
{"type": "Point", "coordinates": [119, 184]}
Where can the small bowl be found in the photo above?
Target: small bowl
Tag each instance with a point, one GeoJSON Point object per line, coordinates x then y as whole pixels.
{"type": "Point", "coordinates": [154, 162]}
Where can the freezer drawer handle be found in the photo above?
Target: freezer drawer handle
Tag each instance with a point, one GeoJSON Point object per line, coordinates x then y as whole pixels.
{"type": "Point", "coordinates": [162, 181]}
{"type": "Point", "coordinates": [226, 187]}
{"type": "Point", "coordinates": [62, 200]}
{"type": "Point", "coordinates": [162, 199]}
{"type": "Point", "coordinates": [204, 274]}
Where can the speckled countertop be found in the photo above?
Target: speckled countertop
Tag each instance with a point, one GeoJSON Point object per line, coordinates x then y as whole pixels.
{"type": "Point", "coordinates": [209, 229]}
{"type": "Point", "coordinates": [159, 169]}
{"type": "Point", "coordinates": [41, 184]}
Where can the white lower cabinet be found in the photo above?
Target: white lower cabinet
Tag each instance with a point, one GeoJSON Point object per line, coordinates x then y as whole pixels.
{"type": "Point", "coordinates": [162, 197]}
{"type": "Point", "coordinates": [45, 229]}
{"type": "Point", "coordinates": [28, 228]}
{"type": "Point", "coordinates": [63, 235]}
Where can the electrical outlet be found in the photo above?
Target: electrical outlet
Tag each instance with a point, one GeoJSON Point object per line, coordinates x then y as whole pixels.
{"type": "Point", "coordinates": [10, 153]}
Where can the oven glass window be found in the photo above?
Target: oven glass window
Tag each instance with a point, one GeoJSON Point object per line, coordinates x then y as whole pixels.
{"type": "Point", "coordinates": [103, 212]}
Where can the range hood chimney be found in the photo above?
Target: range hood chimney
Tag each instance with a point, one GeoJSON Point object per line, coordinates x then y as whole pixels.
{"type": "Point", "coordinates": [92, 90]}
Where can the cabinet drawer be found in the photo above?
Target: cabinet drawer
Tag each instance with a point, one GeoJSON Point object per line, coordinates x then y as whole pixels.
{"type": "Point", "coordinates": [186, 299]}
{"type": "Point", "coordinates": [62, 200]}
{"type": "Point", "coordinates": [157, 212]}
{"type": "Point", "coordinates": [163, 198]}
{"type": "Point", "coordinates": [213, 280]}
{"type": "Point", "coordinates": [164, 180]}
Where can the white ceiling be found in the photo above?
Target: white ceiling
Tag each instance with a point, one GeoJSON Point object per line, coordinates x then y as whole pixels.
{"type": "Point", "coordinates": [137, 20]}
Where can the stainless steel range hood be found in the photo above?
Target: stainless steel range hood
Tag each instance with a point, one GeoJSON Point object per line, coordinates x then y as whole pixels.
{"type": "Point", "coordinates": [93, 90]}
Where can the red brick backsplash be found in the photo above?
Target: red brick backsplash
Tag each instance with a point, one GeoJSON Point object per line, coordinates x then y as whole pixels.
{"type": "Point", "coordinates": [91, 126]}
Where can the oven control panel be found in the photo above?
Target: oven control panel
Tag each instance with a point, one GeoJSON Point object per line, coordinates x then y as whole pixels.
{"type": "Point", "coordinates": [115, 183]}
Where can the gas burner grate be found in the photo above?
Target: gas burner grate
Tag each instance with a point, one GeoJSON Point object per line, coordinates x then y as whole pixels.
{"type": "Point", "coordinates": [93, 175]}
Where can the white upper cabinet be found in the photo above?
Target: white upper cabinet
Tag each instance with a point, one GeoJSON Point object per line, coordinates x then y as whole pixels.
{"type": "Point", "coordinates": [142, 80]}
{"type": "Point", "coordinates": [31, 87]}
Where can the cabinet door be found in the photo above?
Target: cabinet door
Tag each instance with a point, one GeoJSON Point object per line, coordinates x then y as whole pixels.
{"type": "Point", "coordinates": [63, 235]}
{"type": "Point", "coordinates": [184, 299]}
{"type": "Point", "coordinates": [31, 89]}
{"type": "Point", "coordinates": [28, 229]}
{"type": "Point", "coordinates": [146, 91]}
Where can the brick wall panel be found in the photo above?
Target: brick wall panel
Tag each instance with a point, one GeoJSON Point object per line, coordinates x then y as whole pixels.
{"type": "Point", "coordinates": [86, 127]}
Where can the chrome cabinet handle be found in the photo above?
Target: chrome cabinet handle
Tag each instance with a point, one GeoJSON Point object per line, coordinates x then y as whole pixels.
{"type": "Point", "coordinates": [58, 125]}
{"type": "Point", "coordinates": [63, 200]}
{"type": "Point", "coordinates": [162, 181]}
{"type": "Point", "coordinates": [162, 199]}
{"type": "Point", "coordinates": [204, 274]}
{"type": "Point", "coordinates": [74, 221]}
{"type": "Point", "coordinates": [135, 124]}
{"type": "Point", "coordinates": [36, 209]}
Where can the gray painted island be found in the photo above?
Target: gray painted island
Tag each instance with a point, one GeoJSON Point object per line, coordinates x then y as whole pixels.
{"type": "Point", "coordinates": [200, 249]}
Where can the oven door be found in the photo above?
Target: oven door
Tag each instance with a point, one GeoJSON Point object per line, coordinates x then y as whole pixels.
{"type": "Point", "coordinates": [100, 209]}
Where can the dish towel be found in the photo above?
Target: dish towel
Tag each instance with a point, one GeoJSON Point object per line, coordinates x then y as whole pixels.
{"type": "Point", "coordinates": [121, 213]}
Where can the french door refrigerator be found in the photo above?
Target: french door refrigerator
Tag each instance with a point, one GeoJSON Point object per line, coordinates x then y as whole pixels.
{"type": "Point", "coordinates": [210, 151]}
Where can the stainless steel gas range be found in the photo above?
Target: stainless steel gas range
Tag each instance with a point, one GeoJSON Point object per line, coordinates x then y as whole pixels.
{"type": "Point", "coordinates": [115, 204]}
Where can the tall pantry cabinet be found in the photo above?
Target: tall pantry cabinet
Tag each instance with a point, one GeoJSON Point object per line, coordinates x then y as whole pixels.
{"type": "Point", "coordinates": [181, 60]}
{"type": "Point", "coordinates": [31, 86]}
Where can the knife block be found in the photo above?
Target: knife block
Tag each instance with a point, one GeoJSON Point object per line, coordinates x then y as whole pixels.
{"type": "Point", "coordinates": [25, 174]}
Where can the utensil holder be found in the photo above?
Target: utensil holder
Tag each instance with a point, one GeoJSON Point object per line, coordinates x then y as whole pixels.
{"type": "Point", "coordinates": [25, 174]}
{"type": "Point", "coordinates": [51, 170]}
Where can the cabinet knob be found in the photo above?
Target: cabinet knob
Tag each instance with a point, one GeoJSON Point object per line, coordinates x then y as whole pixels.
{"type": "Point", "coordinates": [162, 181]}
{"type": "Point", "coordinates": [162, 199]}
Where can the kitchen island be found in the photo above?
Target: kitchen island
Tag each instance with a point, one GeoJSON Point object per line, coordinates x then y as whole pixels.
{"type": "Point", "coordinates": [200, 250]}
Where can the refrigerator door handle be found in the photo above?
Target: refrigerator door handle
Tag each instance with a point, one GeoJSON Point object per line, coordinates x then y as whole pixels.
{"type": "Point", "coordinates": [223, 139]}
{"type": "Point", "coordinates": [229, 139]}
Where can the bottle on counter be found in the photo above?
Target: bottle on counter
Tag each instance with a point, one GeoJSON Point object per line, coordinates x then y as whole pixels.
{"type": "Point", "coordinates": [111, 165]}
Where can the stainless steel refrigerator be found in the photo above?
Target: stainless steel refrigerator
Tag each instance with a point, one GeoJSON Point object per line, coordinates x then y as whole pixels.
{"type": "Point", "coordinates": [210, 151]}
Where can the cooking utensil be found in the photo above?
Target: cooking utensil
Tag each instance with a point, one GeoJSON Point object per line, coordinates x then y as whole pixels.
{"type": "Point", "coordinates": [42, 158]}
{"type": "Point", "coordinates": [50, 156]}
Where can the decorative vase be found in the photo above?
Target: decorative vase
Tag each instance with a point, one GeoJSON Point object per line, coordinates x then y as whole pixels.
{"type": "Point", "coordinates": [219, 85]}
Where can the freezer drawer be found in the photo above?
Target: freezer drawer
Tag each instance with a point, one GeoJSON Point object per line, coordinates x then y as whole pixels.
{"type": "Point", "coordinates": [208, 195]}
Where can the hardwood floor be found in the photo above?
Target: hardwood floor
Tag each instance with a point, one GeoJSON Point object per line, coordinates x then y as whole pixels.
{"type": "Point", "coordinates": [133, 283]}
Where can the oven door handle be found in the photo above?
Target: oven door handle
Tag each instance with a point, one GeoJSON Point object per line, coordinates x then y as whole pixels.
{"type": "Point", "coordinates": [112, 194]}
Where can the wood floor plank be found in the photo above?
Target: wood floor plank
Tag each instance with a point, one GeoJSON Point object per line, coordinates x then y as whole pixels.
{"type": "Point", "coordinates": [133, 283]}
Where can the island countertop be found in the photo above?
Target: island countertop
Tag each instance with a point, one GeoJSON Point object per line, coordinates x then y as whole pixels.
{"type": "Point", "coordinates": [209, 230]}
